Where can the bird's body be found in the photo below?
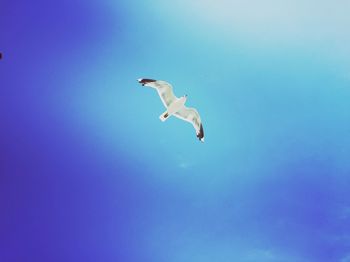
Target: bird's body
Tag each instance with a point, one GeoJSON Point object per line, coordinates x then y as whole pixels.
{"type": "Point", "coordinates": [175, 106]}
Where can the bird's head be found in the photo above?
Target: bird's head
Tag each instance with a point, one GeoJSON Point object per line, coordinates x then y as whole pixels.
{"type": "Point", "coordinates": [183, 99]}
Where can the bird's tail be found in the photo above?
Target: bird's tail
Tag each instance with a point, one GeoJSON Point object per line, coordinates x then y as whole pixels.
{"type": "Point", "coordinates": [164, 116]}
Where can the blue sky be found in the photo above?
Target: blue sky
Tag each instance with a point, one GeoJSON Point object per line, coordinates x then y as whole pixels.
{"type": "Point", "coordinates": [89, 172]}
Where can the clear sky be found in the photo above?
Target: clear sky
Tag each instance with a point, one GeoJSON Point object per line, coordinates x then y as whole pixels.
{"type": "Point", "coordinates": [88, 172]}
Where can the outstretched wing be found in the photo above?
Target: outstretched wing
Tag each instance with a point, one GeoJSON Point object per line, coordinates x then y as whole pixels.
{"type": "Point", "coordinates": [191, 115]}
{"type": "Point", "coordinates": [164, 89]}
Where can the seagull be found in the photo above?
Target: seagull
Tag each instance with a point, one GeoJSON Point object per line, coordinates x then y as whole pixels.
{"type": "Point", "coordinates": [175, 106]}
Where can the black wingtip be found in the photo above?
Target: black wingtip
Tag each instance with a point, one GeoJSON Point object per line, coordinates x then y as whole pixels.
{"type": "Point", "coordinates": [200, 135]}
{"type": "Point", "coordinates": [144, 81]}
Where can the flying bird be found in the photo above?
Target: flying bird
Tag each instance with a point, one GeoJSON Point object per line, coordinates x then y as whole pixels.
{"type": "Point", "coordinates": [175, 106]}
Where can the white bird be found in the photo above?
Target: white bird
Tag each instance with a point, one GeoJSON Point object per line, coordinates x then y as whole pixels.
{"type": "Point", "coordinates": [175, 106]}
